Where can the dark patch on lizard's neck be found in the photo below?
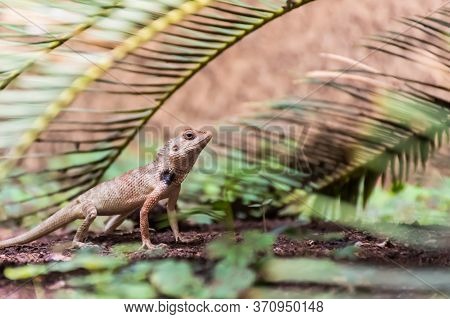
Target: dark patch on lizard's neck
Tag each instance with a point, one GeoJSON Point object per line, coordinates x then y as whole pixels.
{"type": "Point", "coordinates": [167, 176]}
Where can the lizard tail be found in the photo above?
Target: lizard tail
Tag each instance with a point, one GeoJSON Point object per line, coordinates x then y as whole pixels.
{"type": "Point", "coordinates": [57, 220]}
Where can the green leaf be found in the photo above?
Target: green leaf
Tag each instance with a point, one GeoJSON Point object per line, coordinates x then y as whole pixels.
{"type": "Point", "coordinates": [259, 242]}
{"type": "Point", "coordinates": [229, 281]}
{"type": "Point", "coordinates": [124, 249]}
{"type": "Point", "coordinates": [136, 272]}
{"type": "Point", "coordinates": [176, 279]}
{"type": "Point", "coordinates": [240, 254]}
{"type": "Point", "coordinates": [25, 272]}
{"type": "Point", "coordinates": [324, 271]}
{"type": "Point", "coordinates": [90, 262]}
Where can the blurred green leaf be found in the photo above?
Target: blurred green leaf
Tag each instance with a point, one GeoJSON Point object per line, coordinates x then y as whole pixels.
{"type": "Point", "coordinates": [230, 281]}
{"type": "Point", "coordinates": [243, 253]}
{"type": "Point", "coordinates": [348, 252]}
{"type": "Point", "coordinates": [89, 261]}
{"type": "Point", "coordinates": [25, 272]}
{"type": "Point", "coordinates": [324, 271]}
{"type": "Point", "coordinates": [126, 248]}
{"type": "Point", "coordinates": [176, 279]}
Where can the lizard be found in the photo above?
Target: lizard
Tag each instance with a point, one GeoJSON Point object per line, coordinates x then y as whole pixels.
{"type": "Point", "coordinates": [142, 187]}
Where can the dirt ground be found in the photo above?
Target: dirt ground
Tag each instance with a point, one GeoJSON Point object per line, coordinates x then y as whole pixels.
{"type": "Point", "coordinates": [371, 249]}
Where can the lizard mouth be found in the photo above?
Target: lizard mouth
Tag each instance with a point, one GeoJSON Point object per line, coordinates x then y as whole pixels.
{"type": "Point", "coordinates": [203, 142]}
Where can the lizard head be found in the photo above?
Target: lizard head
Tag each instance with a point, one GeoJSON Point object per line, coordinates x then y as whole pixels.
{"type": "Point", "coordinates": [183, 150]}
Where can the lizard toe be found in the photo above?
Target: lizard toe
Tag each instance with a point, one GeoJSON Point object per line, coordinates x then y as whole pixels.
{"type": "Point", "coordinates": [183, 239]}
{"type": "Point", "coordinates": [147, 246]}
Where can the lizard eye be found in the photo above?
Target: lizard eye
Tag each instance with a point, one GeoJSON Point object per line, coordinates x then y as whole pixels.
{"type": "Point", "coordinates": [189, 135]}
{"type": "Point", "coordinates": [175, 148]}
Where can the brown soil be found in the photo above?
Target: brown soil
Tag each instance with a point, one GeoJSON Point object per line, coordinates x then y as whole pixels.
{"type": "Point", "coordinates": [370, 249]}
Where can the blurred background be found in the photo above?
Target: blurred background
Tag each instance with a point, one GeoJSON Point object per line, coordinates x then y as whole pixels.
{"type": "Point", "coordinates": [265, 65]}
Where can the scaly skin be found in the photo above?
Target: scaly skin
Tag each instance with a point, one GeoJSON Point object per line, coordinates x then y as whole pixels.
{"type": "Point", "coordinates": [141, 187]}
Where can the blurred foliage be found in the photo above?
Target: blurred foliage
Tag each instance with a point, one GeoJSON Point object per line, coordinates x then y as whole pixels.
{"type": "Point", "coordinates": [425, 205]}
{"type": "Point", "coordinates": [330, 272]}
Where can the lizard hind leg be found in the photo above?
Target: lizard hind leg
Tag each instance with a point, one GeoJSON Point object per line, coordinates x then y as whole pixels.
{"type": "Point", "coordinates": [89, 212]}
{"type": "Point", "coordinates": [115, 222]}
{"type": "Point", "coordinates": [172, 214]}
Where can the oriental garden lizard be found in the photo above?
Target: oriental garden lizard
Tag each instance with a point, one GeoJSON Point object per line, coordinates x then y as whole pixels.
{"type": "Point", "coordinates": [141, 187]}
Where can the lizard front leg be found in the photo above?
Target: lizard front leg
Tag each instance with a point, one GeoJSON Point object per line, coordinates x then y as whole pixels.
{"type": "Point", "coordinates": [149, 203]}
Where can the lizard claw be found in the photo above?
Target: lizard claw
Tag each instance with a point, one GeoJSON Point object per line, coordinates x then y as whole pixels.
{"type": "Point", "coordinates": [179, 239]}
{"type": "Point", "coordinates": [182, 239]}
{"type": "Point", "coordinates": [147, 245]}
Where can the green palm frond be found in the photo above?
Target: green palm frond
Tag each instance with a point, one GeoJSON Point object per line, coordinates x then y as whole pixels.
{"type": "Point", "coordinates": [24, 42]}
{"type": "Point", "coordinates": [415, 110]}
{"type": "Point", "coordinates": [375, 126]}
{"type": "Point", "coordinates": [57, 135]}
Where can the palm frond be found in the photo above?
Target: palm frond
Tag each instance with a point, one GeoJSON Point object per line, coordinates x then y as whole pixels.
{"type": "Point", "coordinates": [376, 125]}
{"type": "Point", "coordinates": [414, 107]}
{"type": "Point", "coordinates": [58, 136]}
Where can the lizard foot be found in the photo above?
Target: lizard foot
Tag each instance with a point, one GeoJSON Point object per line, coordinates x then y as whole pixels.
{"type": "Point", "coordinates": [147, 245]}
{"type": "Point", "coordinates": [80, 245]}
{"type": "Point", "coordinates": [182, 239]}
